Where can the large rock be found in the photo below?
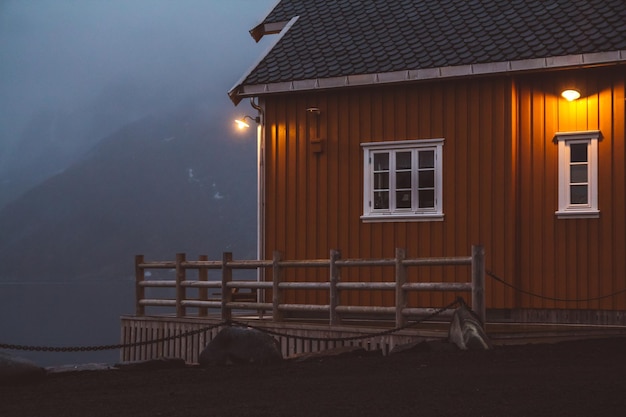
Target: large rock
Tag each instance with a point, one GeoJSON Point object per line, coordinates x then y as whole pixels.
{"type": "Point", "coordinates": [15, 369]}
{"type": "Point", "coordinates": [238, 345]}
{"type": "Point", "coordinates": [466, 330]}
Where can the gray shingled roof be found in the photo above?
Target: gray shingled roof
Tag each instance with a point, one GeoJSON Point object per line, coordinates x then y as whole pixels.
{"type": "Point", "coordinates": [342, 38]}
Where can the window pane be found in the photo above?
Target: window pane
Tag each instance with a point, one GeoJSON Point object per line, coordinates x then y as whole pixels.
{"type": "Point", "coordinates": [381, 200]}
{"type": "Point", "coordinates": [578, 194]}
{"type": "Point", "coordinates": [403, 199]}
{"type": "Point", "coordinates": [381, 181]}
{"type": "Point", "coordinates": [427, 159]}
{"type": "Point", "coordinates": [381, 162]}
{"type": "Point", "coordinates": [403, 160]}
{"type": "Point", "coordinates": [426, 179]}
{"type": "Point", "coordinates": [578, 173]}
{"type": "Point", "coordinates": [426, 198]}
{"type": "Point", "coordinates": [403, 179]}
{"type": "Point", "coordinates": [578, 152]}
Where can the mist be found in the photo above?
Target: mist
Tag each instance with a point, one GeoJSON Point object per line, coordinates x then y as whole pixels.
{"type": "Point", "coordinates": [61, 56]}
{"type": "Point", "coordinates": [105, 107]}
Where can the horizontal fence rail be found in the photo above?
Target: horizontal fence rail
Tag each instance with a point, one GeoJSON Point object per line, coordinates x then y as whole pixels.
{"type": "Point", "coordinates": [230, 298]}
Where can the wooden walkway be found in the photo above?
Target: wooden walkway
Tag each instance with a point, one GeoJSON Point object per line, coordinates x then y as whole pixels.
{"type": "Point", "coordinates": [200, 307]}
{"type": "Point", "coordinates": [309, 335]}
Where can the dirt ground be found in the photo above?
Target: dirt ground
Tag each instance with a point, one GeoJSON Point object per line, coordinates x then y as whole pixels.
{"type": "Point", "coordinates": [582, 378]}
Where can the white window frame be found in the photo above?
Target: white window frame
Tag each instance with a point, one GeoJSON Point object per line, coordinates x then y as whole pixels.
{"type": "Point", "coordinates": [567, 209]}
{"type": "Point", "coordinates": [370, 214]}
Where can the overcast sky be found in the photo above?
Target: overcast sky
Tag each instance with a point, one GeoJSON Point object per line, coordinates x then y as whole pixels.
{"type": "Point", "coordinates": [62, 53]}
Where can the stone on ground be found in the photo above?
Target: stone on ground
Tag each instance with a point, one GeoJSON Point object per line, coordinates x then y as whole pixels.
{"type": "Point", "coordinates": [238, 345]}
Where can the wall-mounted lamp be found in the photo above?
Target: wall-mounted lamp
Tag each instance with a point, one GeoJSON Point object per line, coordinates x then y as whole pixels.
{"type": "Point", "coordinates": [242, 124]}
{"type": "Point", "coordinates": [570, 94]}
{"type": "Point", "coordinates": [313, 110]}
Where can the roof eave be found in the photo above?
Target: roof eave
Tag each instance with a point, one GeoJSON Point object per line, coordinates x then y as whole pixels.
{"type": "Point", "coordinates": [236, 92]}
{"type": "Point", "coordinates": [557, 62]}
{"type": "Point", "coordinates": [266, 27]}
{"type": "Point", "coordinates": [263, 29]}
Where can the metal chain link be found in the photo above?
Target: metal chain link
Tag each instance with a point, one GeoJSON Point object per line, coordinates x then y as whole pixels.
{"type": "Point", "coordinates": [458, 301]}
{"type": "Point", "coordinates": [107, 347]}
{"type": "Point", "coordinates": [544, 297]}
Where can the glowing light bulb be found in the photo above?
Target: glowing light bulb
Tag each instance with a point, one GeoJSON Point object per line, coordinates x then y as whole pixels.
{"type": "Point", "coordinates": [241, 124]}
{"type": "Point", "coordinates": [570, 94]}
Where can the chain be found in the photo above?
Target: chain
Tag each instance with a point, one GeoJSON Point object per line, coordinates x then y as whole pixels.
{"type": "Point", "coordinates": [458, 301]}
{"type": "Point", "coordinates": [107, 347]}
{"type": "Point", "coordinates": [543, 297]}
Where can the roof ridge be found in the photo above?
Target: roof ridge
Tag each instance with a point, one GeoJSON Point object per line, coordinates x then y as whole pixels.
{"type": "Point", "coordinates": [350, 39]}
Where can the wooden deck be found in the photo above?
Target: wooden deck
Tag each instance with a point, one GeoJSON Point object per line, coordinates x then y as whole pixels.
{"type": "Point", "coordinates": [184, 319]}
{"type": "Point", "coordinates": [309, 335]}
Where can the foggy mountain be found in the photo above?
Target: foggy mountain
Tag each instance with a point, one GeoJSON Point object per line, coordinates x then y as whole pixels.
{"type": "Point", "coordinates": [57, 136]}
{"type": "Point", "coordinates": [174, 181]}
{"type": "Point", "coordinates": [99, 161]}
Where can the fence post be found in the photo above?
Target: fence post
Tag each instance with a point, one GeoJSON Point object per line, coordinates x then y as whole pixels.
{"type": "Point", "coordinates": [400, 281]}
{"type": "Point", "coordinates": [180, 290]}
{"type": "Point", "coordinates": [478, 282]}
{"type": "Point", "coordinates": [277, 276]}
{"type": "Point", "coordinates": [227, 276]}
{"type": "Point", "coordinates": [334, 279]}
{"type": "Point", "coordinates": [203, 293]}
{"type": "Point", "coordinates": [140, 291]}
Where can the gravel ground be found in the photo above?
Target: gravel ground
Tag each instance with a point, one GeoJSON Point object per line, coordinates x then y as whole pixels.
{"type": "Point", "coordinates": [581, 378]}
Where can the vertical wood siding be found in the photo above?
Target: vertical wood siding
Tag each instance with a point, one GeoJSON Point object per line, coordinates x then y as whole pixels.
{"type": "Point", "coordinates": [571, 258]}
{"type": "Point", "coordinates": [314, 200]}
{"type": "Point", "coordinates": [500, 185]}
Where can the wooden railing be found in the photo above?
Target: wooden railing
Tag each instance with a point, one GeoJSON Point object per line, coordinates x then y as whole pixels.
{"type": "Point", "coordinates": [231, 299]}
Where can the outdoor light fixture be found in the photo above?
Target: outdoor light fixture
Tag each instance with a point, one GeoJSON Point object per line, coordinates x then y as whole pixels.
{"type": "Point", "coordinates": [570, 94]}
{"type": "Point", "coordinates": [242, 124]}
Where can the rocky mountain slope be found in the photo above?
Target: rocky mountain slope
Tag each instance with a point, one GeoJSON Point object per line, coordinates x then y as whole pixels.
{"type": "Point", "coordinates": [167, 183]}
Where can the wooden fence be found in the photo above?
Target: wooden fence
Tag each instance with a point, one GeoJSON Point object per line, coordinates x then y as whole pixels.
{"type": "Point", "coordinates": [231, 299]}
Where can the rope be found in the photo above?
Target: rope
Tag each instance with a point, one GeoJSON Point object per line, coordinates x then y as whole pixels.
{"type": "Point", "coordinates": [459, 301]}
{"type": "Point", "coordinates": [543, 297]}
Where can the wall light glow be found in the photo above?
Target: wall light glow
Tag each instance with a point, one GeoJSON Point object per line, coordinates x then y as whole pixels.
{"type": "Point", "coordinates": [570, 94]}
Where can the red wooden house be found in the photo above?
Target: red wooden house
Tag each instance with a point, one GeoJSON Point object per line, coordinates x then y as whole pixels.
{"type": "Point", "coordinates": [434, 125]}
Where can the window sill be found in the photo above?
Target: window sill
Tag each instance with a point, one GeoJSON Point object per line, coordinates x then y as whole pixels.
{"type": "Point", "coordinates": [577, 214]}
{"type": "Point", "coordinates": [371, 218]}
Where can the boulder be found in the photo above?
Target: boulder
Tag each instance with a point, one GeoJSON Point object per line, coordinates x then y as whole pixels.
{"type": "Point", "coordinates": [466, 330]}
{"type": "Point", "coordinates": [239, 345]}
{"type": "Point", "coordinates": [15, 369]}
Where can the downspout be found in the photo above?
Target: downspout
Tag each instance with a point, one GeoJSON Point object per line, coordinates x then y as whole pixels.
{"type": "Point", "coordinates": [260, 194]}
